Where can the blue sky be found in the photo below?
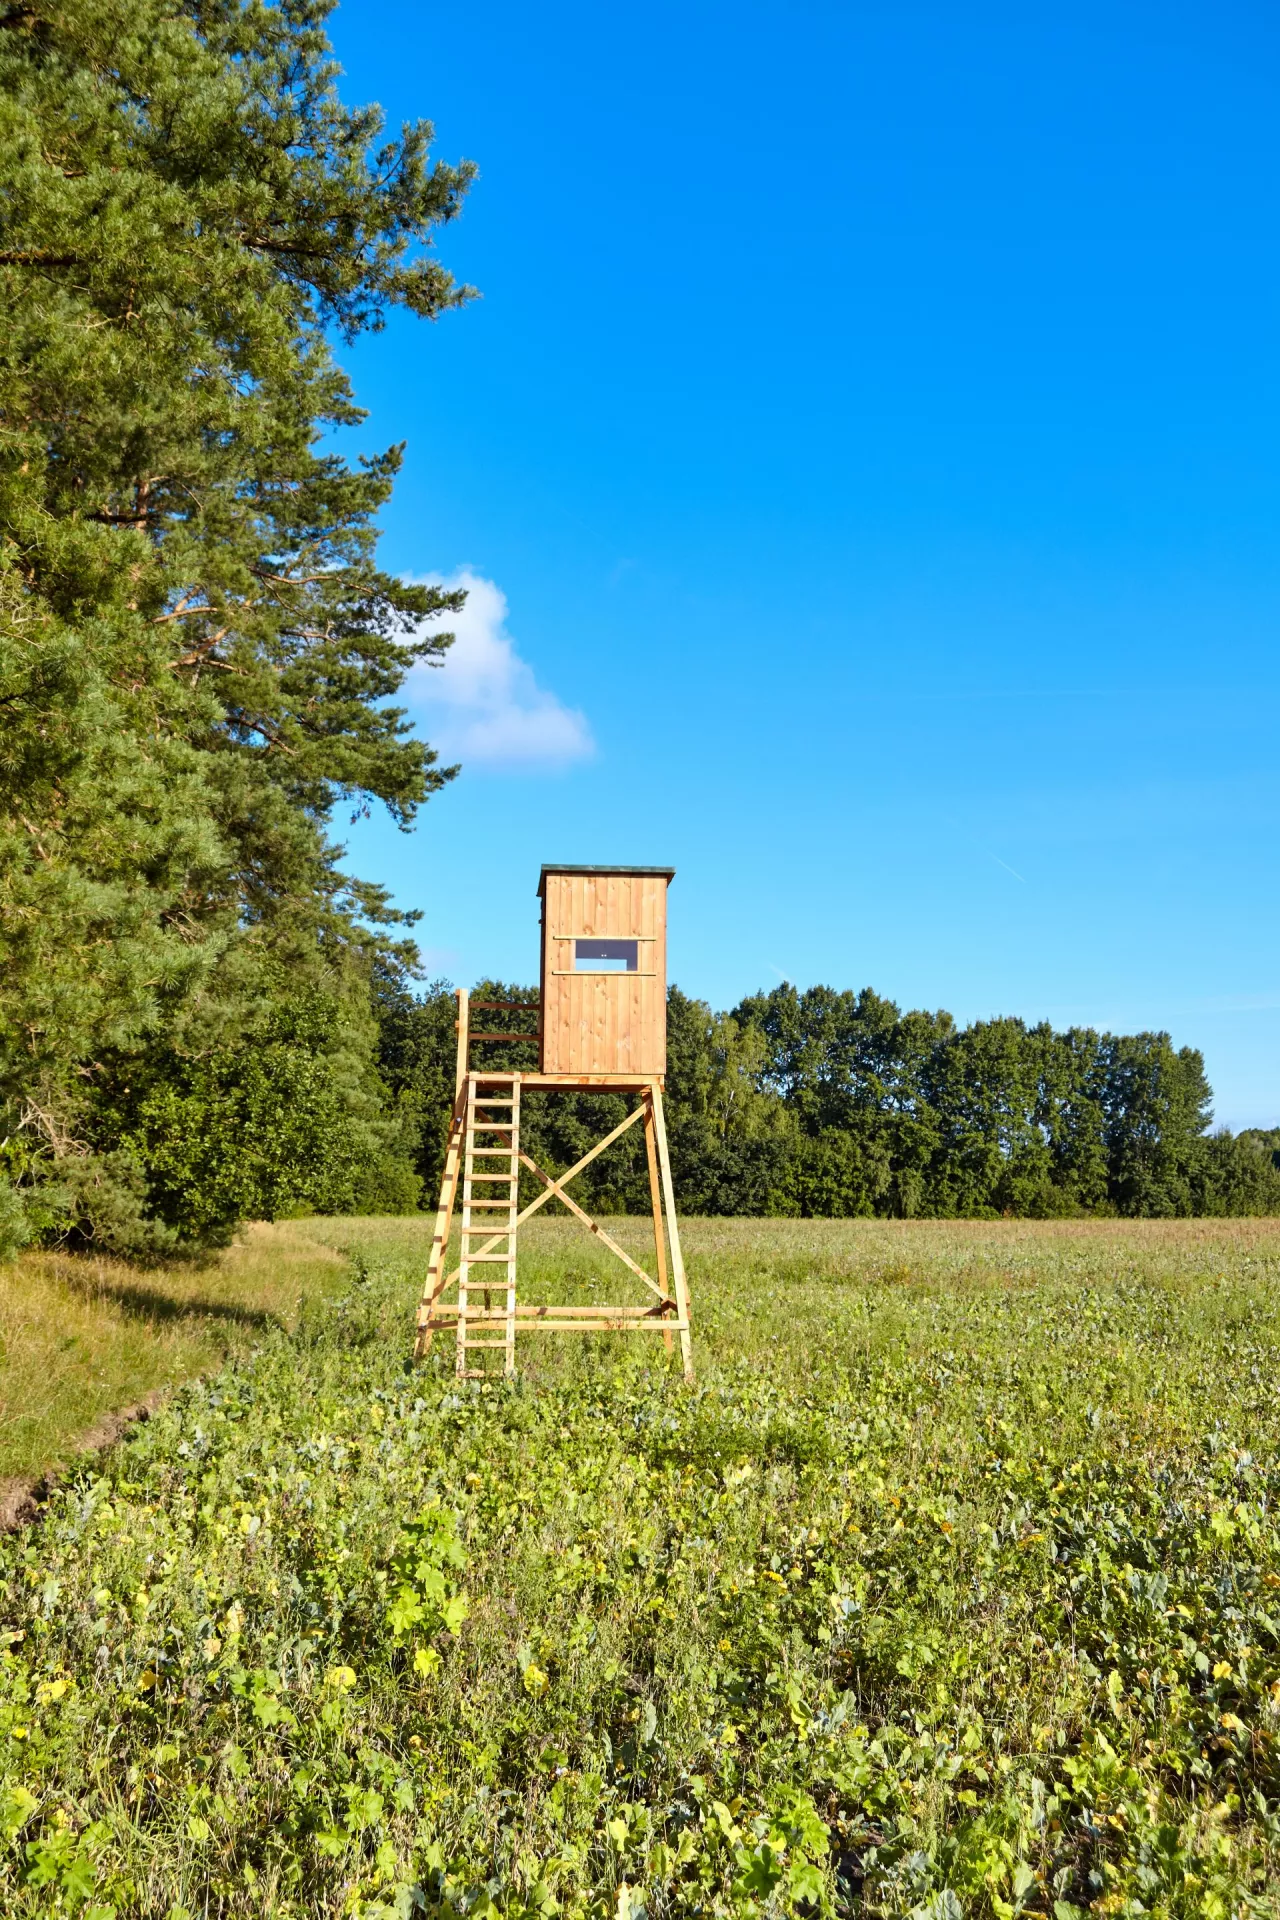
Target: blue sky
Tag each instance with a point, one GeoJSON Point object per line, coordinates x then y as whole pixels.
{"type": "Point", "coordinates": [866, 459]}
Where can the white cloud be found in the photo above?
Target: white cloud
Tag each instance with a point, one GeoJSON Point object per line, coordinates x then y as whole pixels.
{"type": "Point", "coordinates": [483, 706]}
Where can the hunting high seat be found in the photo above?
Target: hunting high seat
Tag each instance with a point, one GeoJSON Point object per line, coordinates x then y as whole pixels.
{"type": "Point", "coordinates": [602, 1027]}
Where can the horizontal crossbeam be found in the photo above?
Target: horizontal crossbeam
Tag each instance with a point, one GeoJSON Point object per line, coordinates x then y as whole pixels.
{"type": "Point", "coordinates": [584, 1082]}
{"type": "Point", "coordinates": [539, 1310]}
{"type": "Point", "coordinates": [614, 1322]}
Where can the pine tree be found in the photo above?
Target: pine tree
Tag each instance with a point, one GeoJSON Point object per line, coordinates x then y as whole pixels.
{"type": "Point", "coordinates": [197, 648]}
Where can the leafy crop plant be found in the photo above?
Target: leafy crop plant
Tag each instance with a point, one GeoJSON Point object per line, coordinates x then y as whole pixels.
{"type": "Point", "coordinates": [953, 1589]}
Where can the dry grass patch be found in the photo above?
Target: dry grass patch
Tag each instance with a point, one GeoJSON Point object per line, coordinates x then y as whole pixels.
{"type": "Point", "coordinates": [81, 1336]}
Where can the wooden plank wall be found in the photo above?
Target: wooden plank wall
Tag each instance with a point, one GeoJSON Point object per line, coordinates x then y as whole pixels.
{"type": "Point", "coordinates": [604, 1022]}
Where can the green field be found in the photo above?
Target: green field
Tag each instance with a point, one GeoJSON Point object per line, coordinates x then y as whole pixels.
{"type": "Point", "coordinates": [951, 1588]}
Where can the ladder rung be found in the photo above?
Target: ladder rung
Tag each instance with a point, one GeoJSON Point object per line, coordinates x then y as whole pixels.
{"type": "Point", "coordinates": [510, 1178]}
{"type": "Point", "coordinates": [604, 1326]}
{"type": "Point", "coordinates": [494, 1346]}
{"type": "Point", "coordinates": [492, 1100]}
{"type": "Point", "coordinates": [492, 1153]}
{"type": "Point", "coordinates": [487, 1259]}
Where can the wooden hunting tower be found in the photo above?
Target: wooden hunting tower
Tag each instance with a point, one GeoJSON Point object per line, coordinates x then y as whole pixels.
{"type": "Point", "coordinates": [601, 1028]}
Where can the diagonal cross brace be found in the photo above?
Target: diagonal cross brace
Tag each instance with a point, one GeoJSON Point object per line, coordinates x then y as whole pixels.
{"type": "Point", "coordinates": [556, 1187]}
{"type": "Point", "coordinates": [554, 1190]}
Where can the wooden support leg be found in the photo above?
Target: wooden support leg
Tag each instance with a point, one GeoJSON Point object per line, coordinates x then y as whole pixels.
{"type": "Point", "coordinates": [512, 1212]}
{"type": "Point", "coordinates": [673, 1231]}
{"type": "Point", "coordinates": [655, 1196]}
{"type": "Point", "coordinates": [464, 1263]}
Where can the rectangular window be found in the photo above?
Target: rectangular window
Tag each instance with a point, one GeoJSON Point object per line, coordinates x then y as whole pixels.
{"type": "Point", "coordinates": [606, 956]}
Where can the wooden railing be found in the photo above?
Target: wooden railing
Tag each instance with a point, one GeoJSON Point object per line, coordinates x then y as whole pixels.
{"type": "Point", "coordinates": [466, 1006]}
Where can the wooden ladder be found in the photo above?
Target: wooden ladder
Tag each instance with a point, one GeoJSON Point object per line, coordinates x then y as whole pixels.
{"type": "Point", "coordinates": [491, 1164]}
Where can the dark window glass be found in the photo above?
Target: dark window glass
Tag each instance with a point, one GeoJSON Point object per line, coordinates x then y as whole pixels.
{"type": "Point", "coordinates": [606, 956]}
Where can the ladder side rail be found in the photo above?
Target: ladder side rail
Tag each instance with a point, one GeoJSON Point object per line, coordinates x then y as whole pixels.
{"type": "Point", "coordinates": [512, 1217]}
{"type": "Point", "coordinates": [464, 1260]}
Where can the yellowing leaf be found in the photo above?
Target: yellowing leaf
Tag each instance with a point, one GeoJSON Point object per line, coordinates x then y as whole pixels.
{"type": "Point", "coordinates": [16, 1808]}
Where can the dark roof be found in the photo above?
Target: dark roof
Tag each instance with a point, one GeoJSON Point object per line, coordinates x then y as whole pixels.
{"type": "Point", "coordinates": [643, 873]}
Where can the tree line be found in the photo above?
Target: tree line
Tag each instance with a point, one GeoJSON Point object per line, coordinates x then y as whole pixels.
{"type": "Point", "coordinates": [828, 1103]}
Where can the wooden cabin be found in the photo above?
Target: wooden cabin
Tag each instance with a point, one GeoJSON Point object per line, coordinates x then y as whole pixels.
{"type": "Point", "coordinates": [604, 969]}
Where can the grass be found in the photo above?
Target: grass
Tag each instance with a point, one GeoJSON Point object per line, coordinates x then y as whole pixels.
{"type": "Point", "coordinates": [81, 1338]}
{"type": "Point", "coordinates": [952, 1588]}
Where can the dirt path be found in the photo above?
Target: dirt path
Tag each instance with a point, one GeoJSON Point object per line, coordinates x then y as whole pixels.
{"type": "Point", "coordinates": [22, 1496]}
